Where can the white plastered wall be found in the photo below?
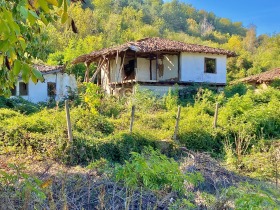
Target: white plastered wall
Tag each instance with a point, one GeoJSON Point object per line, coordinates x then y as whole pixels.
{"type": "Point", "coordinates": [39, 92]}
{"type": "Point", "coordinates": [192, 68]}
{"type": "Point", "coordinates": [170, 71]}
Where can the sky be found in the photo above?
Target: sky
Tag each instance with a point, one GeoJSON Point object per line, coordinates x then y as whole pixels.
{"type": "Point", "coordinates": [264, 14]}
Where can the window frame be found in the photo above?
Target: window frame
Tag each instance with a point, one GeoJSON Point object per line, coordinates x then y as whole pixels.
{"type": "Point", "coordinates": [21, 93]}
{"type": "Point", "coordinates": [49, 90]}
{"type": "Point", "coordinates": [205, 65]}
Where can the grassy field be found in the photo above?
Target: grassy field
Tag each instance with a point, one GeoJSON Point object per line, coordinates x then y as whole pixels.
{"type": "Point", "coordinates": [234, 165]}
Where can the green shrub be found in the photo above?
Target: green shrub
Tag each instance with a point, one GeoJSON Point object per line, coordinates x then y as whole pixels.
{"type": "Point", "coordinates": [111, 106]}
{"type": "Point", "coordinates": [90, 123]}
{"type": "Point", "coordinates": [275, 83]}
{"type": "Point", "coordinates": [19, 104]}
{"type": "Point", "coordinates": [151, 170]}
{"type": "Point", "coordinates": [115, 148]}
{"type": "Point", "coordinates": [240, 89]}
{"type": "Point", "coordinates": [171, 99]}
{"type": "Point", "coordinates": [145, 100]}
{"type": "Point", "coordinates": [8, 113]}
{"type": "Point", "coordinates": [24, 106]}
{"type": "Point", "coordinates": [248, 196]}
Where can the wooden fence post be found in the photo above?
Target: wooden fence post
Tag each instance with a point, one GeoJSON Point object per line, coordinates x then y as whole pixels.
{"type": "Point", "coordinates": [216, 115]}
{"type": "Point", "coordinates": [132, 118]}
{"type": "Point", "coordinates": [177, 123]}
{"type": "Point", "coordinates": [69, 127]}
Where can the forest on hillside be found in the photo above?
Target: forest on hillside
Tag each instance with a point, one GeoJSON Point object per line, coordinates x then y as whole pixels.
{"type": "Point", "coordinates": [104, 23]}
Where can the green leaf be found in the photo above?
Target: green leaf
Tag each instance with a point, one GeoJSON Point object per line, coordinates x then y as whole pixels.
{"type": "Point", "coordinates": [43, 19]}
{"type": "Point", "coordinates": [24, 12]}
{"type": "Point", "coordinates": [60, 3]}
{"type": "Point", "coordinates": [65, 6]}
{"type": "Point", "coordinates": [64, 17]}
{"type": "Point", "coordinates": [17, 67]}
{"type": "Point", "coordinates": [37, 74]}
{"type": "Point", "coordinates": [4, 45]}
{"type": "Point", "coordinates": [25, 72]}
{"type": "Point", "coordinates": [44, 5]}
{"type": "Point", "coordinates": [1, 59]}
{"type": "Point", "coordinates": [22, 43]}
{"type": "Point", "coordinates": [31, 18]}
{"type": "Point", "coordinates": [53, 2]}
{"type": "Point", "coordinates": [34, 79]}
{"type": "Point", "coordinates": [4, 27]}
{"type": "Point", "coordinates": [34, 14]}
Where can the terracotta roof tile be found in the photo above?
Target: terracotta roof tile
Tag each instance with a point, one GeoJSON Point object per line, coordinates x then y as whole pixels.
{"type": "Point", "coordinates": [151, 45]}
{"type": "Point", "coordinates": [46, 69]}
{"type": "Point", "coordinates": [267, 76]}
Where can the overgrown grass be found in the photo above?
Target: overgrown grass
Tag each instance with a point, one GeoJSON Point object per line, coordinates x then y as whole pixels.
{"type": "Point", "coordinates": [101, 124]}
{"type": "Point", "coordinates": [245, 139]}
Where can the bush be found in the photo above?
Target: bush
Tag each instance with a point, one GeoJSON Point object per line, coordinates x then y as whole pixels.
{"type": "Point", "coordinates": [115, 148]}
{"type": "Point", "coordinates": [8, 113]}
{"type": "Point", "coordinates": [248, 196]}
{"type": "Point", "coordinates": [91, 124]}
{"type": "Point", "coordinates": [240, 89]}
{"type": "Point", "coordinates": [19, 104]}
{"type": "Point", "coordinates": [151, 170]}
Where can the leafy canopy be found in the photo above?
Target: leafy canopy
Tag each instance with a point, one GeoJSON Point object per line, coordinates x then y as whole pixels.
{"type": "Point", "coordinates": [21, 37]}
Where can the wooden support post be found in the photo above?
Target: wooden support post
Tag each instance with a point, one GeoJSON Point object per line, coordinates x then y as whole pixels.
{"type": "Point", "coordinates": [86, 79]}
{"type": "Point", "coordinates": [177, 123]}
{"type": "Point", "coordinates": [69, 127]}
{"type": "Point", "coordinates": [132, 118]}
{"type": "Point", "coordinates": [98, 69]}
{"type": "Point", "coordinates": [179, 67]}
{"type": "Point", "coordinates": [157, 67]}
{"type": "Point", "coordinates": [276, 172]}
{"type": "Point", "coordinates": [151, 76]}
{"type": "Point", "coordinates": [216, 116]}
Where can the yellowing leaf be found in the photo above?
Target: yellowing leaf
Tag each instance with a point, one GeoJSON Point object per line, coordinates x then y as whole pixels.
{"type": "Point", "coordinates": [34, 79]}
{"type": "Point", "coordinates": [31, 18]}
{"type": "Point", "coordinates": [37, 74]}
{"type": "Point", "coordinates": [60, 3]}
{"type": "Point", "coordinates": [25, 72]}
{"type": "Point", "coordinates": [53, 2]}
{"type": "Point", "coordinates": [44, 20]}
{"type": "Point", "coordinates": [46, 184]}
{"type": "Point", "coordinates": [44, 5]}
{"type": "Point", "coordinates": [22, 43]}
{"type": "Point", "coordinates": [65, 6]}
{"type": "Point", "coordinates": [17, 67]}
{"type": "Point", "coordinates": [1, 59]}
{"type": "Point", "coordinates": [64, 17]}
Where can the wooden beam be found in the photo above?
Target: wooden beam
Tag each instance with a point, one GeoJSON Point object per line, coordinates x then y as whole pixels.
{"type": "Point", "coordinates": [97, 70]}
{"type": "Point", "coordinates": [120, 70]}
{"type": "Point", "coordinates": [69, 127]}
{"type": "Point", "coordinates": [179, 67]}
{"type": "Point", "coordinates": [151, 76]}
{"type": "Point", "coordinates": [86, 78]}
{"type": "Point", "coordinates": [157, 67]}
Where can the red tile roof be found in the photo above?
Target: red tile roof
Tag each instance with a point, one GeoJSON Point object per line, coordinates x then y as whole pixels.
{"type": "Point", "coordinates": [152, 45]}
{"type": "Point", "coordinates": [46, 69]}
{"type": "Point", "coordinates": [267, 76]}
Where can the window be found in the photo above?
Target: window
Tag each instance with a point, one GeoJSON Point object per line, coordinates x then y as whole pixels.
{"type": "Point", "coordinates": [129, 72]}
{"type": "Point", "coordinates": [210, 65]}
{"type": "Point", "coordinates": [23, 89]}
{"type": "Point", "coordinates": [51, 89]}
{"type": "Point", "coordinates": [14, 91]}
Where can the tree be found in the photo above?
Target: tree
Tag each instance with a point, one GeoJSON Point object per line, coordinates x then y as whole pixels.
{"type": "Point", "coordinates": [250, 40]}
{"type": "Point", "coordinates": [22, 23]}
